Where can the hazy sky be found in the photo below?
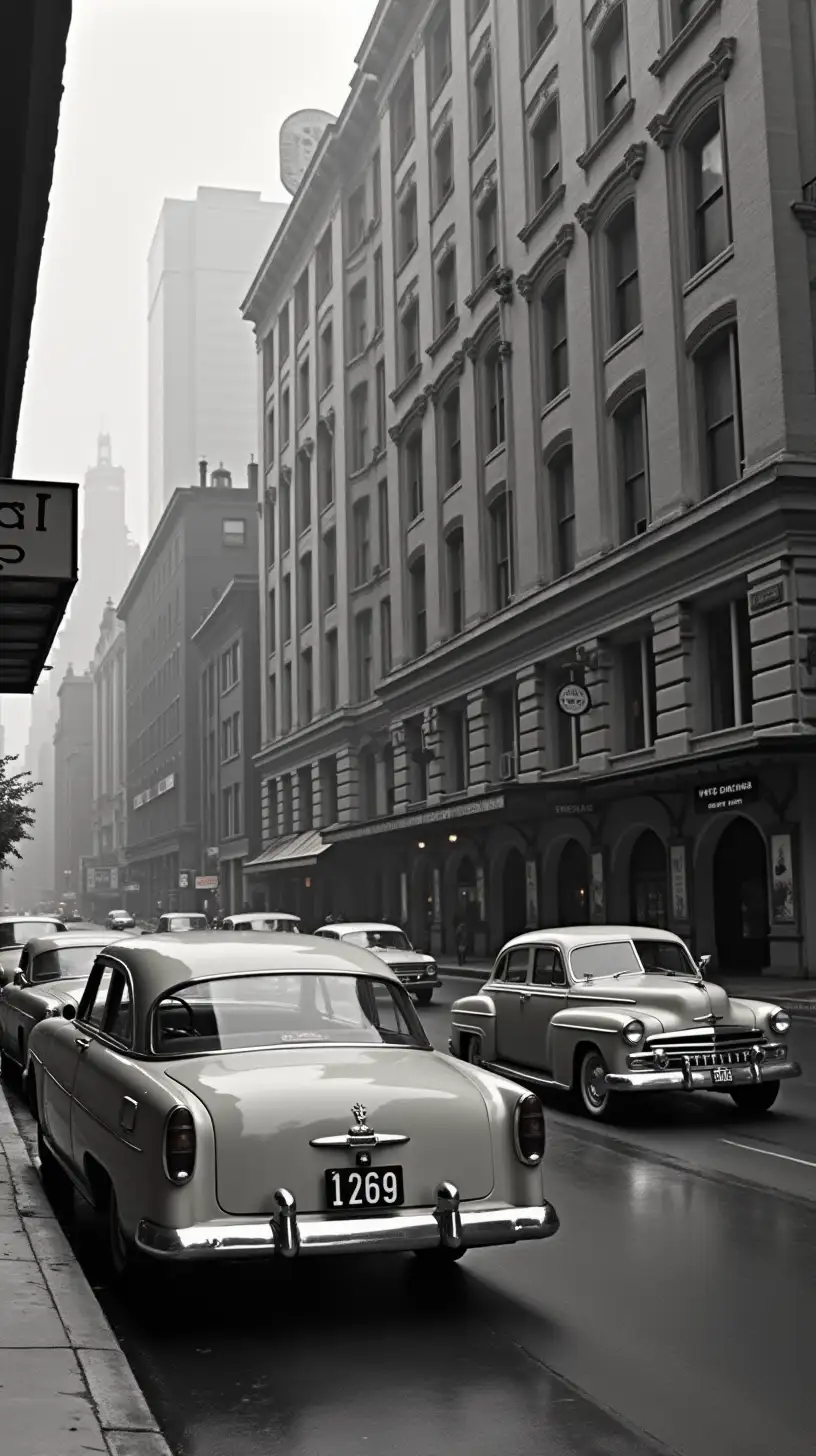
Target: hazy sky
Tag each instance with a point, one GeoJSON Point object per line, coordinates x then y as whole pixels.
{"type": "Point", "coordinates": [161, 97]}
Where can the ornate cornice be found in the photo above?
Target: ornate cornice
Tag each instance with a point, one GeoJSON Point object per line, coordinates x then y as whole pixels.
{"type": "Point", "coordinates": [328, 421]}
{"type": "Point", "coordinates": [407, 182]}
{"type": "Point", "coordinates": [505, 349]}
{"type": "Point", "coordinates": [442, 337]}
{"type": "Point", "coordinates": [545, 93]}
{"type": "Point", "coordinates": [306, 447]}
{"type": "Point", "coordinates": [559, 249]}
{"type": "Point", "coordinates": [627, 170]}
{"type": "Point", "coordinates": [412, 416]}
{"type": "Point", "coordinates": [453, 369]}
{"type": "Point", "coordinates": [408, 295]}
{"type": "Point", "coordinates": [663, 127]}
{"type": "Point", "coordinates": [598, 13]}
{"type": "Point", "coordinates": [503, 285]}
{"type": "Point", "coordinates": [286, 474]}
{"type": "Point", "coordinates": [487, 183]}
{"type": "Point", "coordinates": [553, 201]}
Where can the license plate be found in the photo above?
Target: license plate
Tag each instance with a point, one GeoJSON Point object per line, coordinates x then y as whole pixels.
{"type": "Point", "coordinates": [361, 1188]}
{"type": "Point", "coordinates": [722, 1074]}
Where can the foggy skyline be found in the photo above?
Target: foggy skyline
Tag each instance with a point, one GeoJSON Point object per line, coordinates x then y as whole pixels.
{"type": "Point", "coordinates": [161, 97]}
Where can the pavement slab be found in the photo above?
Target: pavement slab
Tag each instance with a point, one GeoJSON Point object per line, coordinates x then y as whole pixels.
{"type": "Point", "coordinates": [45, 1409]}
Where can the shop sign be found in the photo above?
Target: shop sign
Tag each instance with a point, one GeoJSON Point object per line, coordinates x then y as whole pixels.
{"type": "Point", "coordinates": [574, 700]}
{"type": "Point", "coordinates": [38, 530]}
{"type": "Point", "coordinates": [575, 809]}
{"type": "Point", "coordinates": [99, 878]}
{"type": "Point", "coordinates": [730, 794]}
{"type": "Point", "coordinates": [430, 816]}
{"type": "Point", "coordinates": [132, 889]}
{"type": "Point", "coordinates": [206, 882]}
{"type": "Point", "coordinates": [184, 880]}
{"type": "Point", "coordinates": [162, 787]}
{"type": "Point", "coordinates": [763, 597]}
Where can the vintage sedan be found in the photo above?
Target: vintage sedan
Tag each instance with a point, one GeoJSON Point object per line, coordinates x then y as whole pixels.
{"type": "Point", "coordinates": [15, 930]}
{"type": "Point", "coordinates": [276, 1095]}
{"type": "Point", "coordinates": [416, 970]}
{"type": "Point", "coordinates": [52, 974]}
{"type": "Point", "coordinates": [275, 922]}
{"type": "Point", "coordinates": [176, 922]}
{"type": "Point", "coordinates": [609, 1009]}
{"type": "Point", "coordinates": [120, 920]}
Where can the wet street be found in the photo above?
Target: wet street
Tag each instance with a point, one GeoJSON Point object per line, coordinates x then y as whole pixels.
{"type": "Point", "coordinates": [675, 1310]}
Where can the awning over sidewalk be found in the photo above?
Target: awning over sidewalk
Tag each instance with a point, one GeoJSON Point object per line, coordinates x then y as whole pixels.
{"type": "Point", "coordinates": [291, 852]}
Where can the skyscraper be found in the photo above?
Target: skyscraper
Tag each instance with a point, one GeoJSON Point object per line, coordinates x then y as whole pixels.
{"type": "Point", "coordinates": [202, 384]}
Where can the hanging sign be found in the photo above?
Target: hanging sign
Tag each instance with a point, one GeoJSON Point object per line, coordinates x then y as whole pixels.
{"type": "Point", "coordinates": [574, 700]}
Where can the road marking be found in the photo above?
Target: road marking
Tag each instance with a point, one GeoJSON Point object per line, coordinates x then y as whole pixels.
{"type": "Point", "coordinates": [766, 1153]}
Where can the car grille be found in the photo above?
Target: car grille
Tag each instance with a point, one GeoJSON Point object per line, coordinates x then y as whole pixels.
{"type": "Point", "coordinates": [414, 970]}
{"type": "Point", "coordinates": [722, 1049]}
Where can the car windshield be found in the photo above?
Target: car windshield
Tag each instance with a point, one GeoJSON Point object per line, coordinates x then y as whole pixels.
{"type": "Point", "coordinates": [17, 932]}
{"type": "Point", "coordinates": [379, 939]}
{"type": "Point", "coordinates": [54, 965]}
{"type": "Point", "coordinates": [239, 1013]}
{"type": "Point", "coordinates": [665, 957]}
{"type": "Point", "coordinates": [186, 922]}
{"type": "Point", "coordinates": [268, 923]}
{"type": "Point", "coordinates": [604, 958]}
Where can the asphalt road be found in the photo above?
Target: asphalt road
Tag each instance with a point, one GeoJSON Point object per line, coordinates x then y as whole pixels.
{"type": "Point", "coordinates": [675, 1310]}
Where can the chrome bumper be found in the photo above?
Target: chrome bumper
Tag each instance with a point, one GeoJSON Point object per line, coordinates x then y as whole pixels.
{"type": "Point", "coordinates": [290, 1235]}
{"type": "Point", "coordinates": [701, 1079]}
{"type": "Point", "coordinates": [416, 983]}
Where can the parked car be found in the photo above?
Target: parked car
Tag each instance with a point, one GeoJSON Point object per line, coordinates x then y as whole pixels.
{"type": "Point", "coordinates": [120, 920]}
{"type": "Point", "coordinates": [51, 975]}
{"type": "Point", "coordinates": [15, 931]}
{"type": "Point", "coordinates": [607, 1009]}
{"type": "Point", "coordinates": [176, 922]}
{"type": "Point", "coordinates": [416, 970]}
{"type": "Point", "coordinates": [211, 1105]}
{"type": "Point", "coordinates": [270, 921]}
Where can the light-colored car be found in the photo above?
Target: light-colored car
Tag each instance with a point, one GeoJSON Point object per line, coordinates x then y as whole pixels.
{"type": "Point", "coordinates": [15, 931]}
{"type": "Point", "coordinates": [614, 1009]}
{"type": "Point", "coordinates": [176, 922]}
{"type": "Point", "coordinates": [271, 922]}
{"type": "Point", "coordinates": [51, 975]}
{"type": "Point", "coordinates": [416, 970]}
{"type": "Point", "coordinates": [276, 1096]}
{"type": "Point", "coordinates": [119, 920]}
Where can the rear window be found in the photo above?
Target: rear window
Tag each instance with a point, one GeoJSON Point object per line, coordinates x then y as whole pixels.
{"type": "Point", "coordinates": [17, 932]}
{"type": "Point", "coordinates": [268, 923]}
{"type": "Point", "coordinates": [186, 922]}
{"type": "Point", "coordinates": [54, 965]}
{"type": "Point", "coordinates": [239, 1013]}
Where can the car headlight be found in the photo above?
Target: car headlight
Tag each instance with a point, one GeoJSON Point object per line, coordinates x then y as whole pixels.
{"type": "Point", "coordinates": [430, 969]}
{"type": "Point", "coordinates": [633, 1032]}
{"type": "Point", "coordinates": [780, 1023]}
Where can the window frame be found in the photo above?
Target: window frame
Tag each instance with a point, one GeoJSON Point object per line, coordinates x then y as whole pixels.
{"type": "Point", "coordinates": [556, 339]}
{"type": "Point", "coordinates": [414, 482]}
{"type": "Point", "coordinates": [546, 125]}
{"type": "Point", "coordinates": [693, 142]}
{"type": "Point", "coordinates": [633, 407]}
{"type": "Point", "coordinates": [603, 45]}
{"type": "Point", "coordinates": [500, 508]}
{"type": "Point", "coordinates": [720, 339]}
{"type": "Point", "coordinates": [484, 115]}
{"type": "Point", "coordinates": [564, 523]}
{"type": "Point", "coordinates": [619, 326]}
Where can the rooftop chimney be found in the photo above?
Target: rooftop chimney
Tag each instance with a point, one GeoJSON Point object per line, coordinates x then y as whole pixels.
{"type": "Point", "coordinates": [252, 476]}
{"type": "Point", "coordinates": [202, 474]}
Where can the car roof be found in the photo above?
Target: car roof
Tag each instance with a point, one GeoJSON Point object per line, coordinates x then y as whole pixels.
{"type": "Point", "coordinates": [182, 915]}
{"type": "Point", "coordinates": [349, 925]}
{"type": "Point", "coordinates": [261, 915]}
{"type": "Point", "coordinates": [570, 936]}
{"type": "Point", "coordinates": [12, 919]}
{"type": "Point", "coordinates": [40, 943]}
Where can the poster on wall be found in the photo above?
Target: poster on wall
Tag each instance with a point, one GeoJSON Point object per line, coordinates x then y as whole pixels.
{"type": "Point", "coordinates": [678, 883]}
{"type": "Point", "coordinates": [437, 895]}
{"type": "Point", "coordinates": [782, 896]}
{"type": "Point", "coordinates": [598, 903]}
{"type": "Point", "coordinates": [531, 881]}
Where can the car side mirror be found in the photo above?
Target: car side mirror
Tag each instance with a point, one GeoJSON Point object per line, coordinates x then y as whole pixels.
{"type": "Point", "coordinates": [703, 964]}
{"type": "Point", "coordinates": [19, 978]}
{"type": "Point", "coordinates": [69, 1012]}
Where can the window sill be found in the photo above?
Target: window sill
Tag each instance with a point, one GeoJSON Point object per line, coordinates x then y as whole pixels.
{"type": "Point", "coordinates": [610, 131]}
{"type": "Point", "coordinates": [416, 521]}
{"type": "Point", "coordinates": [355, 254]}
{"type": "Point", "coordinates": [721, 738]}
{"type": "Point", "coordinates": [447, 333]}
{"type": "Point", "coordinates": [709, 270]}
{"type": "Point", "coordinates": [496, 451]}
{"type": "Point", "coordinates": [621, 344]}
{"type": "Point", "coordinates": [405, 260]}
{"type": "Point", "coordinates": [441, 205]}
{"type": "Point", "coordinates": [532, 63]}
{"type": "Point", "coordinates": [360, 470]}
{"type": "Point", "coordinates": [356, 358]}
{"type": "Point", "coordinates": [327, 610]}
{"type": "Point", "coordinates": [480, 144]}
{"type": "Point", "coordinates": [661, 65]}
{"type": "Point", "coordinates": [328, 389]}
{"type": "Point", "coordinates": [404, 153]}
{"type": "Point", "coordinates": [440, 88]}
{"type": "Point", "coordinates": [546, 209]}
{"type": "Point", "coordinates": [405, 383]}
{"type": "Point", "coordinates": [483, 286]}
{"type": "Point", "coordinates": [553, 404]}
{"type": "Point", "coordinates": [632, 757]}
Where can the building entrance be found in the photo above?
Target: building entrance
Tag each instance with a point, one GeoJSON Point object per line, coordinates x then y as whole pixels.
{"type": "Point", "coordinates": [573, 885]}
{"type": "Point", "coordinates": [741, 924]}
{"type": "Point", "coordinates": [649, 882]}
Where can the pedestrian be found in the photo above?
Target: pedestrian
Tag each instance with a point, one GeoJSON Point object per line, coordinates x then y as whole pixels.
{"type": "Point", "coordinates": [461, 942]}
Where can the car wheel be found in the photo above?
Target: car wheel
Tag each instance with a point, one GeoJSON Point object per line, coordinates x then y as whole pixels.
{"type": "Point", "coordinates": [759, 1098]}
{"type": "Point", "coordinates": [59, 1189]}
{"type": "Point", "coordinates": [596, 1099]}
{"type": "Point", "coordinates": [471, 1049]}
{"type": "Point", "coordinates": [424, 997]}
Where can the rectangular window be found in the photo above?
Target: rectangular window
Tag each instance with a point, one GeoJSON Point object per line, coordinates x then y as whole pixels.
{"type": "Point", "coordinates": [500, 546]}
{"type": "Point", "coordinates": [407, 227]}
{"type": "Point", "coordinates": [556, 364]}
{"type": "Point", "coordinates": [376, 186]}
{"type": "Point", "coordinates": [451, 440]}
{"type": "Point", "coordinates": [325, 465]}
{"type": "Point", "coordinates": [378, 291]}
{"type": "Point", "coordinates": [385, 636]}
{"type": "Point", "coordinates": [414, 495]}
{"type": "Point", "coordinates": [361, 536]}
{"type": "Point", "coordinates": [271, 795]}
{"type": "Point", "coordinates": [302, 304]}
{"type": "Point", "coordinates": [634, 466]}
{"type": "Point", "coordinates": [303, 485]}
{"type": "Point", "coordinates": [328, 791]}
{"type": "Point", "coordinates": [362, 635]}
{"type": "Point", "coordinates": [285, 515]}
{"type": "Point", "coordinates": [443, 167]}
{"type": "Point", "coordinates": [330, 568]}
{"type": "Point", "coordinates": [230, 667]}
{"type": "Point", "coordinates": [268, 360]}
{"type": "Point", "coordinates": [358, 319]}
{"type": "Point", "coordinates": [384, 543]}
{"type": "Point", "coordinates": [286, 608]}
{"type": "Point", "coordinates": [496, 422]}
{"type": "Point", "coordinates": [639, 693]}
{"type": "Point", "coordinates": [286, 418]}
{"type": "Point", "coordinates": [323, 265]}
{"type": "Point", "coordinates": [683, 11]}
{"type": "Point", "coordinates": [402, 113]}
{"type": "Point", "coordinates": [287, 805]}
{"type": "Point", "coordinates": [446, 302]}
{"type": "Point", "coordinates": [419, 621]}
{"type": "Point", "coordinates": [730, 669]}
{"type": "Point", "coordinates": [356, 218]}
{"type": "Point", "coordinates": [326, 358]}
{"type": "Point", "coordinates": [306, 687]}
{"type": "Point", "coordinates": [712, 231]}
{"type": "Point", "coordinates": [488, 235]}
{"type": "Point", "coordinates": [455, 553]}
{"type": "Point", "coordinates": [540, 24]}
{"type": "Point", "coordinates": [563, 495]}
{"type": "Point", "coordinates": [304, 402]}
{"type": "Point", "coordinates": [272, 621]}
{"type": "Point", "coordinates": [332, 672]}
{"type": "Point", "coordinates": [305, 604]}
{"type": "Point", "coordinates": [283, 335]}
{"type": "Point", "coordinates": [359, 427]}
{"type": "Point", "coordinates": [286, 699]}
{"type": "Point", "coordinates": [409, 338]}
{"type": "Point", "coordinates": [233, 533]}
{"type": "Point", "coordinates": [438, 50]}
{"type": "Point", "coordinates": [624, 274]}
{"type": "Point", "coordinates": [719, 382]}
{"type": "Point", "coordinates": [272, 707]}
{"type": "Point", "coordinates": [269, 442]}
{"type": "Point", "coordinates": [381, 404]}
{"type": "Point", "coordinates": [483, 101]}
{"type": "Point", "coordinates": [611, 71]}
{"type": "Point", "coordinates": [546, 141]}
{"type": "Point", "coordinates": [305, 798]}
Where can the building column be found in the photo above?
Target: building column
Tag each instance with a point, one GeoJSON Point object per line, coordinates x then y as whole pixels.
{"type": "Point", "coordinates": [281, 812]}
{"type": "Point", "coordinates": [480, 758]}
{"type": "Point", "coordinates": [402, 768]}
{"type": "Point", "coordinates": [532, 703]}
{"type": "Point", "coordinates": [776, 653]}
{"type": "Point", "coordinates": [296, 825]}
{"type": "Point", "coordinates": [596, 725]}
{"type": "Point", "coordinates": [432, 742]}
{"type": "Point", "coordinates": [673, 647]}
{"type": "Point", "coordinates": [348, 786]}
{"type": "Point", "coordinates": [317, 795]}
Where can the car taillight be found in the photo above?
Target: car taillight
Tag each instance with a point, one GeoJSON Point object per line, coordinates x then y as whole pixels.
{"type": "Point", "coordinates": [179, 1146]}
{"type": "Point", "coordinates": [530, 1135]}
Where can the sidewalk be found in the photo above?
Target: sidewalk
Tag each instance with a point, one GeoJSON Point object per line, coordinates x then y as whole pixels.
{"type": "Point", "coordinates": [66, 1388]}
{"type": "Point", "coordinates": [797, 996]}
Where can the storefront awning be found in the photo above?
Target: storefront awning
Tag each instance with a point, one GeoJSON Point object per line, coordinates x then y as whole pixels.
{"type": "Point", "coordinates": [291, 852]}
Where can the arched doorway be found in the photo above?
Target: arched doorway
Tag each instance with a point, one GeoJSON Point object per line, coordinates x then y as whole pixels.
{"type": "Point", "coordinates": [467, 901]}
{"type": "Point", "coordinates": [741, 928]}
{"type": "Point", "coordinates": [573, 885]}
{"type": "Point", "coordinates": [649, 882]}
{"type": "Point", "coordinates": [514, 894]}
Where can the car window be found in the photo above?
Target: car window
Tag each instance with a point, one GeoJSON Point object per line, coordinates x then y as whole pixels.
{"type": "Point", "coordinates": [17, 932]}
{"type": "Point", "coordinates": [665, 955]}
{"type": "Point", "coordinates": [118, 1021]}
{"type": "Point", "coordinates": [53, 965]}
{"type": "Point", "coordinates": [548, 967]}
{"type": "Point", "coordinates": [518, 962]}
{"type": "Point", "coordinates": [92, 1006]}
{"type": "Point", "coordinates": [604, 958]}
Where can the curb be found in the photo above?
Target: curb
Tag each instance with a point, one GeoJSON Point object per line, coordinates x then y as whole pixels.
{"type": "Point", "coordinates": [116, 1403]}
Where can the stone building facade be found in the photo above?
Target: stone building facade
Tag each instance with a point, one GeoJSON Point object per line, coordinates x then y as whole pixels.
{"type": "Point", "coordinates": [537, 365]}
{"type": "Point", "coordinates": [105, 872]}
{"type": "Point", "coordinates": [73, 787]}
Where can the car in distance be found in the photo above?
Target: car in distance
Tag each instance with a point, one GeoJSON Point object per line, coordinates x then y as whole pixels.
{"type": "Point", "coordinates": [15, 931]}
{"type": "Point", "coordinates": [176, 922]}
{"type": "Point", "coordinates": [120, 920]}
{"type": "Point", "coordinates": [416, 970]}
{"type": "Point", "coordinates": [604, 1010]}
{"type": "Point", "coordinates": [275, 1095]}
{"type": "Point", "coordinates": [51, 975]}
{"type": "Point", "coordinates": [272, 922]}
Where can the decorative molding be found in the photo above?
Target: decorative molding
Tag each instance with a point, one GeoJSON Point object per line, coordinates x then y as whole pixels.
{"type": "Point", "coordinates": [598, 13]}
{"type": "Point", "coordinates": [666, 58]}
{"type": "Point", "coordinates": [444, 245]}
{"type": "Point", "coordinates": [505, 349]}
{"type": "Point", "coordinates": [307, 447]}
{"type": "Point", "coordinates": [442, 120]}
{"type": "Point", "coordinates": [552, 203]}
{"type": "Point", "coordinates": [805, 214]}
{"type": "Point", "coordinates": [286, 474]}
{"type": "Point", "coordinates": [634, 383]}
{"type": "Point", "coordinates": [411, 417]}
{"type": "Point", "coordinates": [605, 137]}
{"type": "Point", "coordinates": [545, 93]}
{"type": "Point", "coordinates": [503, 285]}
{"type": "Point", "coordinates": [482, 51]}
{"type": "Point", "coordinates": [721, 317]}
{"type": "Point", "coordinates": [447, 333]}
{"type": "Point", "coordinates": [663, 127]}
{"type": "Point", "coordinates": [627, 170]}
{"type": "Point", "coordinates": [558, 251]}
{"type": "Point", "coordinates": [452, 370]}
{"type": "Point", "coordinates": [328, 420]}
{"type": "Point", "coordinates": [487, 183]}
{"type": "Point", "coordinates": [405, 383]}
{"type": "Point", "coordinates": [407, 296]}
{"type": "Point", "coordinates": [483, 286]}
{"type": "Point", "coordinates": [473, 345]}
{"type": "Point", "coordinates": [405, 185]}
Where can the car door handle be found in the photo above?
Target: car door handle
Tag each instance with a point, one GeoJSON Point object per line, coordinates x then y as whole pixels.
{"type": "Point", "coordinates": [525, 997]}
{"type": "Point", "coordinates": [83, 1042]}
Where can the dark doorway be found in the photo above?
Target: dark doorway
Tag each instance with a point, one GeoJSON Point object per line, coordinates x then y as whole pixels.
{"type": "Point", "coordinates": [467, 902]}
{"type": "Point", "coordinates": [514, 894]}
{"type": "Point", "coordinates": [422, 906]}
{"type": "Point", "coordinates": [649, 882]}
{"type": "Point", "coordinates": [741, 927]}
{"type": "Point", "coordinates": [573, 885]}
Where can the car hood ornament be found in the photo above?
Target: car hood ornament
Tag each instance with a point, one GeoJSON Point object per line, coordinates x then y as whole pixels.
{"type": "Point", "coordinates": [710, 1019]}
{"type": "Point", "coordinates": [359, 1112]}
{"type": "Point", "coordinates": [360, 1135]}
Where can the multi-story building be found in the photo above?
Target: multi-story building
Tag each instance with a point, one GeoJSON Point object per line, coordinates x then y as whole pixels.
{"type": "Point", "coordinates": [73, 786]}
{"type": "Point", "coordinates": [202, 395]}
{"type": "Point", "coordinates": [105, 871]}
{"type": "Point", "coordinates": [536, 343]}
{"type": "Point", "coordinates": [207, 535]}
